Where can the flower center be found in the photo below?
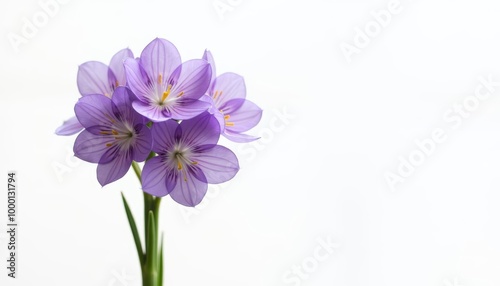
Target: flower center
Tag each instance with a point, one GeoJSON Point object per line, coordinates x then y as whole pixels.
{"type": "Point", "coordinates": [165, 100]}
{"type": "Point", "coordinates": [180, 160]}
{"type": "Point", "coordinates": [122, 134]}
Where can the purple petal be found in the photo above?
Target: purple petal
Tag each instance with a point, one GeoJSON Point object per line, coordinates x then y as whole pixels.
{"type": "Point", "coordinates": [113, 170]}
{"type": "Point", "coordinates": [93, 110]}
{"type": "Point", "coordinates": [123, 98]}
{"type": "Point", "coordinates": [143, 143]}
{"type": "Point", "coordinates": [188, 108]}
{"type": "Point", "coordinates": [239, 137]}
{"type": "Point", "coordinates": [243, 118]}
{"type": "Point", "coordinates": [90, 147]}
{"type": "Point", "coordinates": [207, 55]}
{"type": "Point", "coordinates": [227, 86]}
{"type": "Point", "coordinates": [153, 112]}
{"type": "Point", "coordinates": [202, 129]}
{"type": "Point", "coordinates": [194, 79]}
{"type": "Point", "coordinates": [154, 176]}
{"type": "Point", "coordinates": [219, 164]}
{"type": "Point", "coordinates": [190, 187]}
{"type": "Point", "coordinates": [214, 111]}
{"type": "Point", "coordinates": [135, 80]}
{"type": "Point", "coordinates": [160, 58]}
{"type": "Point", "coordinates": [92, 78]}
{"type": "Point", "coordinates": [164, 134]}
{"type": "Point", "coordinates": [116, 66]}
{"type": "Point", "coordinates": [69, 127]}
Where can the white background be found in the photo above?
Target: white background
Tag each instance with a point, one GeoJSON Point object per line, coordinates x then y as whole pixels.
{"type": "Point", "coordinates": [318, 173]}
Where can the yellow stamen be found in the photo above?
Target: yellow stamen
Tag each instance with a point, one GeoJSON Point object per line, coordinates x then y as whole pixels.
{"type": "Point", "coordinates": [230, 124]}
{"type": "Point", "coordinates": [194, 162]}
{"type": "Point", "coordinates": [166, 93]}
{"type": "Point", "coordinates": [226, 117]}
{"type": "Point", "coordinates": [109, 144]}
{"type": "Point", "coordinates": [180, 94]}
{"type": "Point", "coordinates": [114, 132]}
{"type": "Point", "coordinates": [179, 164]}
{"type": "Point", "coordinates": [104, 132]}
{"type": "Point", "coordinates": [160, 79]}
{"type": "Point", "coordinates": [216, 94]}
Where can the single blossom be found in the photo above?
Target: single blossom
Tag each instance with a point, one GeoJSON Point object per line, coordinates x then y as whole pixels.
{"type": "Point", "coordinates": [97, 78]}
{"type": "Point", "coordinates": [165, 88]}
{"type": "Point", "coordinates": [114, 135]}
{"type": "Point", "coordinates": [188, 160]}
{"type": "Point", "coordinates": [235, 114]}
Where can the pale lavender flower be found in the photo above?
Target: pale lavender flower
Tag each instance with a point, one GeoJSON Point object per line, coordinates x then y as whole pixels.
{"type": "Point", "coordinates": [165, 88]}
{"type": "Point", "coordinates": [235, 114]}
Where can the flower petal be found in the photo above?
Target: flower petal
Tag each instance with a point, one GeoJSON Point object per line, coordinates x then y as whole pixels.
{"type": "Point", "coordinates": [164, 134]}
{"type": "Point", "coordinates": [207, 55]}
{"type": "Point", "coordinates": [214, 111]}
{"type": "Point", "coordinates": [69, 127]}
{"type": "Point", "coordinates": [218, 163]}
{"type": "Point", "coordinates": [116, 66]}
{"type": "Point", "coordinates": [92, 78]}
{"type": "Point", "coordinates": [228, 86]}
{"type": "Point", "coordinates": [114, 170]}
{"type": "Point", "coordinates": [189, 190]}
{"type": "Point", "coordinates": [194, 79]}
{"type": "Point", "coordinates": [143, 143]}
{"type": "Point", "coordinates": [154, 176]}
{"type": "Point", "coordinates": [188, 108]}
{"type": "Point", "coordinates": [160, 58]}
{"type": "Point", "coordinates": [243, 118]}
{"type": "Point", "coordinates": [94, 109]}
{"type": "Point", "coordinates": [123, 98]}
{"type": "Point", "coordinates": [90, 147]}
{"type": "Point", "coordinates": [239, 137]}
{"type": "Point", "coordinates": [135, 79]}
{"type": "Point", "coordinates": [153, 112]}
{"type": "Point", "coordinates": [200, 130]}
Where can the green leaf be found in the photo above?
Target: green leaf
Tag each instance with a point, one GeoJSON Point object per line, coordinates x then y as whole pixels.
{"type": "Point", "coordinates": [133, 227]}
{"type": "Point", "coordinates": [160, 266]}
{"type": "Point", "coordinates": [152, 246]}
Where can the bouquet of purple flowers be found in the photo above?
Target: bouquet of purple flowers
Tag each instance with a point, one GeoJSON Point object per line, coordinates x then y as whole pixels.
{"type": "Point", "coordinates": [168, 114]}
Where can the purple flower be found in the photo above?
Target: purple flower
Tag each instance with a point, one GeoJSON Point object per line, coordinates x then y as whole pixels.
{"type": "Point", "coordinates": [114, 134]}
{"type": "Point", "coordinates": [164, 87]}
{"type": "Point", "coordinates": [188, 159]}
{"type": "Point", "coordinates": [97, 78]}
{"type": "Point", "coordinates": [235, 114]}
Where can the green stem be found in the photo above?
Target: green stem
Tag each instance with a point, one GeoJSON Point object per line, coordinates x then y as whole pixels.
{"type": "Point", "coordinates": [152, 259]}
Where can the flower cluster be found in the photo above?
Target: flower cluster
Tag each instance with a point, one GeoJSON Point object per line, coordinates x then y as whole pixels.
{"type": "Point", "coordinates": [165, 112]}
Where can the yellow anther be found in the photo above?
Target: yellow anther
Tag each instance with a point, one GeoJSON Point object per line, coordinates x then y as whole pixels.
{"type": "Point", "coordinates": [104, 132]}
{"type": "Point", "coordinates": [166, 93]}
{"type": "Point", "coordinates": [226, 117]}
{"type": "Point", "coordinates": [179, 164]}
{"type": "Point", "coordinates": [229, 124]}
{"type": "Point", "coordinates": [216, 94]}
{"type": "Point", "coordinates": [114, 132]}
{"type": "Point", "coordinates": [194, 162]}
{"type": "Point", "coordinates": [109, 144]}
{"type": "Point", "coordinates": [180, 94]}
{"type": "Point", "coordinates": [160, 79]}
